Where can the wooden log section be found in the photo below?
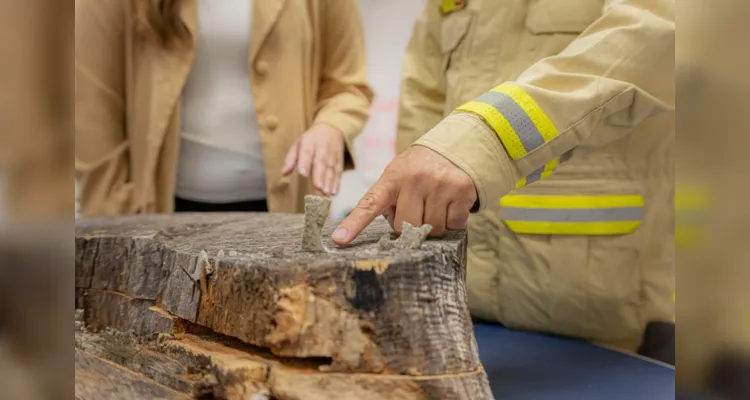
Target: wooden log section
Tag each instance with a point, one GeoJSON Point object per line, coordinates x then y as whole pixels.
{"type": "Point", "coordinates": [389, 321]}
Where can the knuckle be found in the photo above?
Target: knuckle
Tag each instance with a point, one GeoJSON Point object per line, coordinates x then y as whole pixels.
{"type": "Point", "coordinates": [368, 202]}
{"type": "Point", "coordinates": [421, 174]}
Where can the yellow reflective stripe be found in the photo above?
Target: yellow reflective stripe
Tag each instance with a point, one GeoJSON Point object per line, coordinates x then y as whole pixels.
{"type": "Point", "coordinates": [540, 119]}
{"type": "Point", "coordinates": [578, 201]}
{"type": "Point", "coordinates": [691, 210]}
{"type": "Point", "coordinates": [573, 228]}
{"type": "Point", "coordinates": [549, 168]}
{"type": "Point", "coordinates": [691, 198]}
{"type": "Point", "coordinates": [685, 237]}
{"type": "Point", "coordinates": [539, 174]}
{"type": "Point", "coordinates": [572, 215]}
{"type": "Point", "coordinates": [511, 141]}
{"type": "Point", "coordinates": [515, 117]}
{"type": "Point", "coordinates": [448, 6]}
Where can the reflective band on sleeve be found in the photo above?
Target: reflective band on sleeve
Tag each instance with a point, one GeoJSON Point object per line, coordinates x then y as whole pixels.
{"type": "Point", "coordinates": [541, 121]}
{"type": "Point", "coordinates": [492, 116]}
{"type": "Point", "coordinates": [519, 120]}
{"type": "Point", "coordinates": [515, 117]}
{"type": "Point", "coordinates": [539, 174]}
{"type": "Point", "coordinates": [572, 215]}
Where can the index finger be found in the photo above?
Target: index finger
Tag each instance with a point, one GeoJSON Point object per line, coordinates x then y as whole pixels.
{"type": "Point", "coordinates": [380, 196]}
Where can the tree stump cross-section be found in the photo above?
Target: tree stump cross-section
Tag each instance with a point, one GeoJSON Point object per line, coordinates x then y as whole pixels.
{"type": "Point", "coordinates": [377, 322]}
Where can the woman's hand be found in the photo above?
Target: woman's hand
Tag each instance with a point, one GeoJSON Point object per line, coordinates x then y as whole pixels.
{"type": "Point", "coordinates": [319, 153]}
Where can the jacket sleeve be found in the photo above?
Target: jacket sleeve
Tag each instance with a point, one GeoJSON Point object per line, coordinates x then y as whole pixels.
{"type": "Point", "coordinates": [617, 73]}
{"type": "Point", "coordinates": [101, 146]}
{"type": "Point", "coordinates": [422, 85]}
{"type": "Point", "coordinates": [344, 96]}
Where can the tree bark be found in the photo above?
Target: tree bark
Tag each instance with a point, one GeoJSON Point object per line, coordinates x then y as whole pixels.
{"type": "Point", "coordinates": [379, 322]}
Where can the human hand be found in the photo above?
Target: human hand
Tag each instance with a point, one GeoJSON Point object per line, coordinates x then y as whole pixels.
{"type": "Point", "coordinates": [318, 152]}
{"type": "Point", "coordinates": [420, 187]}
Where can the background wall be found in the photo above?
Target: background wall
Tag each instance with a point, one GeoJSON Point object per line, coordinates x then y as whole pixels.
{"type": "Point", "coordinates": [388, 25]}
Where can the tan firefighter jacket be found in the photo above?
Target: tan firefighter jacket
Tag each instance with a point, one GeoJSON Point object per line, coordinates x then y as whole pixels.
{"type": "Point", "coordinates": [562, 113]}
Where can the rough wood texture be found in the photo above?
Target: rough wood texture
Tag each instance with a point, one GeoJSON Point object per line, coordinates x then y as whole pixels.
{"type": "Point", "coordinates": [212, 366]}
{"type": "Point", "coordinates": [99, 379]}
{"type": "Point", "coordinates": [375, 317]}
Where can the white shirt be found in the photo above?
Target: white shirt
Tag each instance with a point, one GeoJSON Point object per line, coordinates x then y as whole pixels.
{"type": "Point", "coordinates": [221, 158]}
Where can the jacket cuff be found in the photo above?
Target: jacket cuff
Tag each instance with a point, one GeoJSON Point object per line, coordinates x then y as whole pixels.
{"type": "Point", "coordinates": [468, 143]}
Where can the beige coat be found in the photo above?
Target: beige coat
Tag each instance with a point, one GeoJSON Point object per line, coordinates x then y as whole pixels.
{"type": "Point", "coordinates": [712, 213]}
{"type": "Point", "coordinates": [307, 65]}
{"type": "Point", "coordinates": [595, 83]}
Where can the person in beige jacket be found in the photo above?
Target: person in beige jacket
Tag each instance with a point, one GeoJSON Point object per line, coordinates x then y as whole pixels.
{"type": "Point", "coordinates": [553, 119]}
{"type": "Point", "coordinates": [199, 105]}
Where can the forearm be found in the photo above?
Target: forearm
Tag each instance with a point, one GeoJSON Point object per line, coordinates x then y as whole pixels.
{"type": "Point", "coordinates": [613, 76]}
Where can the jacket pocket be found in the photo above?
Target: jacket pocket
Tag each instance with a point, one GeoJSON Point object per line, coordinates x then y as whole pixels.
{"type": "Point", "coordinates": [562, 16]}
{"type": "Point", "coordinates": [454, 29]}
{"type": "Point", "coordinates": [589, 279]}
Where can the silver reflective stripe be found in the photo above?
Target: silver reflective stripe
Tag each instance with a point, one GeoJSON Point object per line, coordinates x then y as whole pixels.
{"type": "Point", "coordinates": [516, 116]}
{"type": "Point", "coordinates": [535, 176]}
{"type": "Point", "coordinates": [573, 214]}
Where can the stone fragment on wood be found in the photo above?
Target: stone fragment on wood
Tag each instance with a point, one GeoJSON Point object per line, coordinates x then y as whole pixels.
{"type": "Point", "coordinates": [364, 310]}
{"type": "Point", "coordinates": [316, 215]}
{"type": "Point", "coordinates": [410, 238]}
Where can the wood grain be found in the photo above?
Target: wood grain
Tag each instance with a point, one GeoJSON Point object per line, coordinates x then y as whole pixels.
{"type": "Point", "coordinates": [398, 314]}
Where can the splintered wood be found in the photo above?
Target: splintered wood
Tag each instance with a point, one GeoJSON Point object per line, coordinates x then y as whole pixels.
{"type": "Point", "coordinates": [234, 306]}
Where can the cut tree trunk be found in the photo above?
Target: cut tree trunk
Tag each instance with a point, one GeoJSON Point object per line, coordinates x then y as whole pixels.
{"type": "Point", "coordinates": [362, 321]}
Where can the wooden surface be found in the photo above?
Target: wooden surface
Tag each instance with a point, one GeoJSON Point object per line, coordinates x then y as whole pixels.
{"type": "Point", "coordinates": [389, 323]}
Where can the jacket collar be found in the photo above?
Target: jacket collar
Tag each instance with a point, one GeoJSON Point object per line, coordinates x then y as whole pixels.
{"type": "Point", "coordinates": [265, 15]}
{"type": "Point", "coordinates": [171, 68]}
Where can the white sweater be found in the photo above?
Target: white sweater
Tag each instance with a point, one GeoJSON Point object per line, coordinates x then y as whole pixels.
{"type": "Point", "coordinates": [221, 159]}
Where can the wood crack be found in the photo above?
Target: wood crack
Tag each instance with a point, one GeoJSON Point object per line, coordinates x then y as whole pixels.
{"type": "Point", "coordinates": [360, 322]}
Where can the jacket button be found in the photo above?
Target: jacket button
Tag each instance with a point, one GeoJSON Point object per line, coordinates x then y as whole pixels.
{"type": "Point", "coordinates": [272, 122]}
{"type": "Point", "coordinates": [261, 67]}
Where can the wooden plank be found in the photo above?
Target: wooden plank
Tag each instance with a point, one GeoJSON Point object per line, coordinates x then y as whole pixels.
{"type": "Point", "coordinates": [141, 358]}
{"type": "Point", "coordinates": [365, 308]}
{"type": "Point", "coordinates": [97, 379]}
{"type": "Point", "coordinates": [108, 309]}
{"type": "Point", "coordinates": [243, 371]}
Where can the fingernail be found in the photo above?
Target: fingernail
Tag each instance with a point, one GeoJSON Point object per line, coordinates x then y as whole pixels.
{"type": "Point", "coordinates": [303, 172]}
{"type": "Point", "coordinates": [340, 234]}
{"type": "Point", "coordinates": [328, 191]}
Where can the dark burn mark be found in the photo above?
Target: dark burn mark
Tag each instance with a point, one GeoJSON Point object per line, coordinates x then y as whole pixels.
{"type": "Point", "coordinates": [368, 294]}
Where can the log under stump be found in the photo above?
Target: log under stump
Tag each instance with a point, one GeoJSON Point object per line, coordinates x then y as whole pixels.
{"type": "Point", "coordinates": [230, 305]}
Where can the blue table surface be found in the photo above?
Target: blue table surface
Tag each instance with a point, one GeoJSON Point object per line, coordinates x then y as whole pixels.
{"type": "Point", "coordinates": [529, 366]}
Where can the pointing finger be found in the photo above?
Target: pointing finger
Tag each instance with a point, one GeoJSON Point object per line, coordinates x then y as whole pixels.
{"type": "Point", "coordinates": [380, 197]}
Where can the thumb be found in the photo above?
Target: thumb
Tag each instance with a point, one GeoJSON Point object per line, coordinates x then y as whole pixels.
{"type": "Point", "coordinates": [381, 196]}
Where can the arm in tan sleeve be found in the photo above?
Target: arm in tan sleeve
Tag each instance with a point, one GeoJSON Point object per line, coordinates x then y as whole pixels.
{"type": "Point", "coordinates": [344, 96]}
{"type": "Point", "coordinates": [422, 96]}
{"type": "Point", "coordinates": [617, 73]}
{"type": "Point", "coordinates": [101, 145]}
